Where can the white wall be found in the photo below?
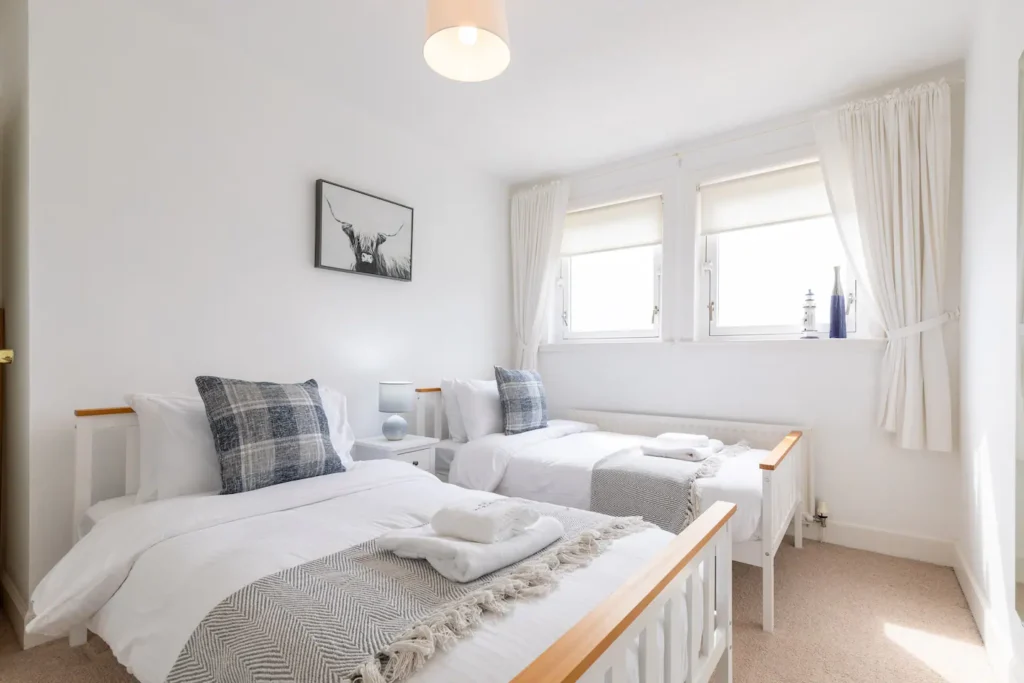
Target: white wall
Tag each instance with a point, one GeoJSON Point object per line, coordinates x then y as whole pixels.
{"type": "Point", "coordinates": [989, 350]}
{"type": "Point", "coordinates": [880, 497]}
{"type": "Point", "coordinates": [172, 215]}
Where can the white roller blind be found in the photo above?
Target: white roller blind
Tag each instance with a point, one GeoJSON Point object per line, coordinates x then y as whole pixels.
{"type": "Point", "coordinates": [789, 194]}
{"type": "Point", "coordinates": [617, 226]}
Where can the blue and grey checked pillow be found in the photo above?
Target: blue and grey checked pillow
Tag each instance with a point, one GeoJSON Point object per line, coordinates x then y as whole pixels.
{"type": "Point", "coordinates": [267, 433]}
{"type": "Point", "coordinates": [523, 401]}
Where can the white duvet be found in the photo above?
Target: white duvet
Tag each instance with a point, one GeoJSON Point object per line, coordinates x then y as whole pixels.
{"type": "Point", "coordinates": [145, 577]}
{"type": "Point", "coordinates": [555, 465]}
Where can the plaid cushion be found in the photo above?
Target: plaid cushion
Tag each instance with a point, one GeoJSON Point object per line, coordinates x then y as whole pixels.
{"type": "Point", "coordinates": [267, 433]}
{"type": "Point", "coordinates": [523, 401]}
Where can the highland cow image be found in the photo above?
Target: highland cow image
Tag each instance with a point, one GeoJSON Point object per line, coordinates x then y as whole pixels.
{"type": "Point", "coordinates": [360, 233]}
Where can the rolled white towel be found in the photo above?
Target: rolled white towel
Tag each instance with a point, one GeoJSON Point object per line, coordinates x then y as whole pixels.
{"type": "Point", "coordinates": [463, 561]}
{"type": "Point", "coordinates": [488, 521]}
{"type": "Point", "coordinates": [694, 440]}
{"type": "Point", "coordinates": [666, 448]}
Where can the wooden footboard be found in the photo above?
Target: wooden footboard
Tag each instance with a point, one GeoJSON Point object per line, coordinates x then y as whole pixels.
{"type": "Point", "coordinates": [658, 597]}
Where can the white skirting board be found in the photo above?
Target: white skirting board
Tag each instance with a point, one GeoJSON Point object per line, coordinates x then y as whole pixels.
{"type": "Point", "coordinates": [15, 608]}
{"type": "Point", "coordinates": [998, 643]}
{"type": "Point", "coordinates": [931, 550]}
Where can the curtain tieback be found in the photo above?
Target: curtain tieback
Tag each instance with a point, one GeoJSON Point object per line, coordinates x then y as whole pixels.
{"type": "Point", "coordinates": [924, 325]}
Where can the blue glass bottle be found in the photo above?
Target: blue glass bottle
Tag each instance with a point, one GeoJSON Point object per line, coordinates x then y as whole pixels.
{"type": "Point", "coordinates": [837, 319]}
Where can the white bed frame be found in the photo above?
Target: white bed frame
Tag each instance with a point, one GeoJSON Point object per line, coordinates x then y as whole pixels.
{"type": "Point", "coordinates": [787, 476]}
{"type": "Point", "coordinates": [598, 649]}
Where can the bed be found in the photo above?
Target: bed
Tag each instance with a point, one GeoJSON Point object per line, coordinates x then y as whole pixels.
{"type": "Point", "coordinates": [444, 454]}
{"type": "Point", "coordinates": [770, 483]}
{"type": "Point", "coordinates": [652, 607]}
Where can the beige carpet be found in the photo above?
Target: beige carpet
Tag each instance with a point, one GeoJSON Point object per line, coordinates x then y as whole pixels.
{"type": "Point", "coordinates": [842, 615]}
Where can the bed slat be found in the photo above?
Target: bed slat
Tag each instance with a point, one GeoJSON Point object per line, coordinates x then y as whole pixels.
{"type": "Point", "coordinates": [83, 474]}
{"type": "Point", "coordinates": [695, 617]}
{"type": "Point", "coordinates": [707, 643]}
{"type": "Point", "coordinates": [131, 465]}
{"type": "Point", "coordinates": [653, 657]}
{"type": "Point", "coordinates": [675, 616]}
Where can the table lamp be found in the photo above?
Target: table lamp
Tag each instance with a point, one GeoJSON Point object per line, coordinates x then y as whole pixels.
{"type": "Point", "coordinates": [395, 397]}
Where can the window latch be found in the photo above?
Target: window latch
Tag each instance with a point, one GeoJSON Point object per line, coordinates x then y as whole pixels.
{"type": "Point", "coordinates": [655, 312]}
{"type": "Point", "coordinates": [565, 318]}
{"type": "Point", "coordinates": [706, 266]}
{"type": "Point", "coordinates": [711, 311]}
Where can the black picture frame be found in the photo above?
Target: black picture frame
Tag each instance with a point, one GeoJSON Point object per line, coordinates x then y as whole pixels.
{"type": "Point", "coordinates": [361, 238]}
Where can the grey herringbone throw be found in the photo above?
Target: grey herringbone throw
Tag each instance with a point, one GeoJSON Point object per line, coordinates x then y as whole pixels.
{"type": "Point", "coordinates": [661, 490]}
{"type": "Point", "coordinates": [365, 615]}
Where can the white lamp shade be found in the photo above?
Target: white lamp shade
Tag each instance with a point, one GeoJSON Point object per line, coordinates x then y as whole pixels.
{"type": "Point", "coordinates": [467, 40]}
{"type": "Point", "coordinates": [396, 397]}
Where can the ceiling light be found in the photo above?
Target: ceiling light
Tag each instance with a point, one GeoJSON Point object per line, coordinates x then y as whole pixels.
{"type": "Point", "coordinates": [467, 35]}
{"type": "Point", "coordinates": [467, 40]}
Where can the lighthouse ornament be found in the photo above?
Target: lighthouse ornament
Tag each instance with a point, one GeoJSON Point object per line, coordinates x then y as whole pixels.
{"type": "Point", "coordinates": [810, 318]}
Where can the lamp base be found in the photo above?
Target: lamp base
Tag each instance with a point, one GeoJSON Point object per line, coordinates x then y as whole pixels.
{"type": "Point", "coordinates": [395, 428]}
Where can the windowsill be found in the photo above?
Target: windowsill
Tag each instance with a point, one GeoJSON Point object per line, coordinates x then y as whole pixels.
{"type": "Point", "coordinates": [645, 341]}
{"type": "Point", "coordinates": [861, 343]}
{"type": "Point", "coordinates": [849, 341]}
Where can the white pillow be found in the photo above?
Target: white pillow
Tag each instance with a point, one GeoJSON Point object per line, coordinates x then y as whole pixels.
{"type": "Point", "coordinates": [480, 407]}
{"type": "Point", "coordinates": [456, 427]}
{"type": "Point", "coordinates": [176, 452]}
{"type": "Point", "coordinates": [342, 436]}
{"type": "Point", "coordinates": [177, 456]}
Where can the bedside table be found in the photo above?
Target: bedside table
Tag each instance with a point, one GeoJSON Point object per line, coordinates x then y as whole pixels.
{"type": "Point", "coordinates": [415, 450]}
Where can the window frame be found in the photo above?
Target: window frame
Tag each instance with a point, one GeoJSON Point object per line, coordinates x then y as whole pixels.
{"type": "Point", "coordinates": [707, 270]}
{"type": "Point", "coordinates": [565, 296]}
{"type": "Point", "coordinates": [709, 289]}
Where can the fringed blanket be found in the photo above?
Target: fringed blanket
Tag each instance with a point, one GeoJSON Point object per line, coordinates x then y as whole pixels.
{"type": "Point", "coordinates": [661, 490]}
{"type": "Point", "coordinates": [364, 615]}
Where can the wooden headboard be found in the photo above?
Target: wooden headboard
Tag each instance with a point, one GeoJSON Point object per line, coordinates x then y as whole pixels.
{"type": "Point", "coordinates": [430, 417]}
{"type": "Point", "coordinates": [87, 423]}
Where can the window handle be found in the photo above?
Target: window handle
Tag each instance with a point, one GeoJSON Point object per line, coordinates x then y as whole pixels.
{"type": "Point", "coordinates": [565, 318]}
{"type": "Point", "coordinates": [711, 311]}
{"type": "Point", "coordinates": [851, 299]}
{"type": "Point", "coordinates": [655, 312]}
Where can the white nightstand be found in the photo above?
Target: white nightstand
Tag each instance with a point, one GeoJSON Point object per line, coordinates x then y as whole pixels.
{"type": "Point", "coordinates": [415, 450]}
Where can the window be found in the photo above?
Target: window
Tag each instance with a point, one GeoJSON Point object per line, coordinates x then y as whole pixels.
{"type": "Point", "coordinates": [769, 238]}
{"type": "Point", "coordinates": [611, 271]}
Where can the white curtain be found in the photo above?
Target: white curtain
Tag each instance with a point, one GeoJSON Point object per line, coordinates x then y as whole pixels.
{"type": "Point", "coordinates": [538, 215]}
{"type": "Point", "coordinates": [886, 163]}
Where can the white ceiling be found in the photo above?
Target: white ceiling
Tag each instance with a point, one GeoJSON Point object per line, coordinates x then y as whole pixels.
{"type": "Point", "coordinates": [593, 81]}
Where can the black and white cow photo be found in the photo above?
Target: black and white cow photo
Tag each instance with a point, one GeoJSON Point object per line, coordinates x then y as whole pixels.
{"type": "Point", "coordinates": [360, 233]}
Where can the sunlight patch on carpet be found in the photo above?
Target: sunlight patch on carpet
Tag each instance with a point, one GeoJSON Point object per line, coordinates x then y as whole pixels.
{"type": "Point", "coordinates": [957, 661]}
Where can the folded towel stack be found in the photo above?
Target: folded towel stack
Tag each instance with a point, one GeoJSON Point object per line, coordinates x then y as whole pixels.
{"type": "Point", "coordinates": [466, 541]}
{"type": "Point", "coordinates": [689, 447]}
{"type": "Point", "coordinates": [463, 561]}
{"type": "Point", "coordinates": [489, 521]}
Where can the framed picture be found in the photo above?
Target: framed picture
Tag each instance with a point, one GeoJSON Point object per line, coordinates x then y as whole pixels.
{"type": "Point", "coordinates": [357, 232]}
